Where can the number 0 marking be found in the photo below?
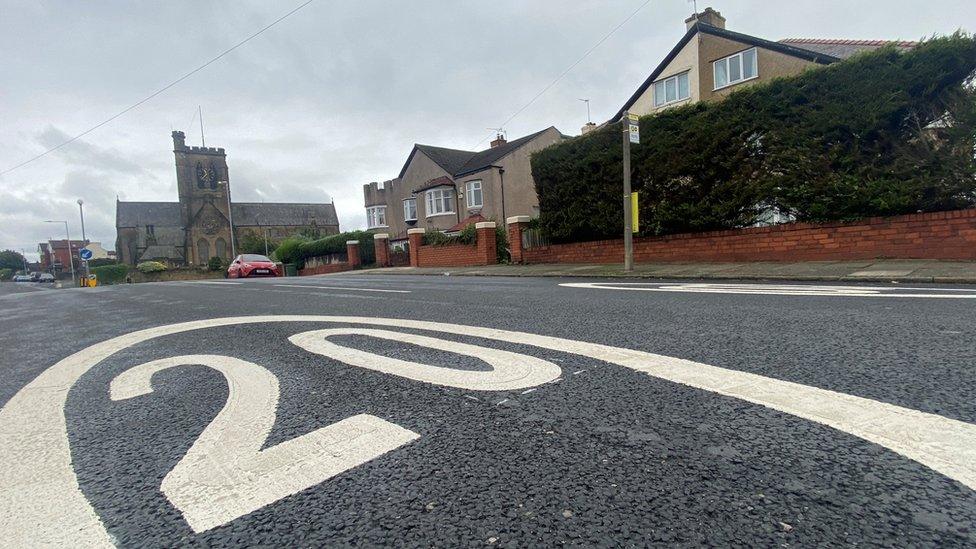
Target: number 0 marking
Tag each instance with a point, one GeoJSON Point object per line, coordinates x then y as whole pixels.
{"type": "Point", "coordinates": [226, 474]}
{"type": "Point", "coordinates": [510, 370]}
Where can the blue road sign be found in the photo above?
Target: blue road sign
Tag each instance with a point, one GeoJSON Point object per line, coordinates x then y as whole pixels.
{"type": "Point", "coordinates": [85, 254]}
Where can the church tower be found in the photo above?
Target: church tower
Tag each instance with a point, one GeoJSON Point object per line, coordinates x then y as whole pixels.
{"type": "Point", "coordinates": [204, 186]}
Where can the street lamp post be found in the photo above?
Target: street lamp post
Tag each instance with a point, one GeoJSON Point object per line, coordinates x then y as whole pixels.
{"type": "Point", "coordinates": [84, 239]}
{"type": "Point", "coordinates": [71, 260]}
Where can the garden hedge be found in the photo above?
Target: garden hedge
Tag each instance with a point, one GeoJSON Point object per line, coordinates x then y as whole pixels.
{"type": "Point", "coordinates": [111, 274]}
{"type": "Point", "coordinates": [297, 249]}
{"type": "Point", "coordinates": [882, 133]}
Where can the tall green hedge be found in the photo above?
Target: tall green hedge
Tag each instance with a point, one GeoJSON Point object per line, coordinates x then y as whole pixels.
{"type": "Point", "coordinates": [883, 133]}
{"type": "Point", "coordinates": [110, 274]}
{"type": "Point", "coordinates": [297, 249]}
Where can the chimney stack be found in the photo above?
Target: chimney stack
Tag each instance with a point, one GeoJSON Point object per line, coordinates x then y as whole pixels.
{"type": "Point", "coordinates": [499, 141]}
{"type": "Point", "coordinates": [709, 17]}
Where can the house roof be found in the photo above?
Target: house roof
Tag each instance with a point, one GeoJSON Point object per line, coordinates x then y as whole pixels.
{"type": "Point", "coordinates": [459, 163]}
{"type": "Point", "coordinates": [486, 158]}
{"type": "Point", "coordinates": [167, 214]}
{"type": "Point", "coordinates": [470, 220]}
{"type": "Point", "coordinates": [450, 160]}
{"type": "Point", "coordinates": [442, 181]}
{"type": "Point", "coordinates": [292, 214]}
{"type": "Point", "coordinates": [134, 214]}
{"type": "Point", "coordinates": [843, 49]}
{"type": "Point", "coordinates": [780, 47]}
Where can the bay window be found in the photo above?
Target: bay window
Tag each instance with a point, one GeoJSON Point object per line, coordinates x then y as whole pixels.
{"type": "Point", "coordinates": [376, 216]}
{"type": "Point", "coordinates": [410, 209]}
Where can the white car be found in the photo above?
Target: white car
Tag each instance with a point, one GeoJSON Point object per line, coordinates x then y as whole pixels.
{"type": "Point", "coordinates": [22, 278]}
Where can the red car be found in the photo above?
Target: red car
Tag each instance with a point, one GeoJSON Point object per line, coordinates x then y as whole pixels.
{"type": "Point", "coordinates": [248, 265]}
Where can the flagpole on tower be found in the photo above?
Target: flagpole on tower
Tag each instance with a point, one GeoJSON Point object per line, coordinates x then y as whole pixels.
{"type": "Point", "coordinates": [202, 140]}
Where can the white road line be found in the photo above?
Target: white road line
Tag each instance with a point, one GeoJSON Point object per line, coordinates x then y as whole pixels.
{"type": "Point", "coordinates": [41, 503]}
{"type": "Point", "coordinates": [210, 282]}
{"type": "Point", "coordinates": [317, 287]}
{"type": "Point", "coordinates": [774, 289]}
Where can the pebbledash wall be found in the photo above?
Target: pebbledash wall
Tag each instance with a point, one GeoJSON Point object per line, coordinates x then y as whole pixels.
{"type": "Point", "coordinates": [936, 235]}
{"type": "Point", "coordinates": [483, 252]}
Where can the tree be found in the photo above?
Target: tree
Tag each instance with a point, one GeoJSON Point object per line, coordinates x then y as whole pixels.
{"type": "Point", "coordinates": [10, 259]}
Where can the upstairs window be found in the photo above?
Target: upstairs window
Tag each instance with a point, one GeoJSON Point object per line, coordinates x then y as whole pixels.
{"type": "Point", "coordinates": [736, 68]}
{"type": "Point", "coordinates": [410, 209]}
{"type": "Point", "coordinates": [439, 202]}
{"type": "Point", "coordinates": [472, 194]}
{"type": "Point", "coordinates": [376, 216]}
{"type": "Point", "coordinates": [671, 90]}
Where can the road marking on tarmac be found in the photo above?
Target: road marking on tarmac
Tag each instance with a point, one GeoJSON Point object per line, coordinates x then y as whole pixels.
{"type": "Point", "coordinates": [221, 282]}
{"type": "Point", "coordinates": [42, 504]}
{"type": "Point", "coordinates": [343, 288]}
{"type": "Point", "coordinates": [780, 289]}
{"type": "Point", "coordinates": [226, 474]}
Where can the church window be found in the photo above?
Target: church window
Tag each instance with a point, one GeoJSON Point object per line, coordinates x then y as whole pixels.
{"type": "Point", "coordinates": [150, 230]}
{"type": "Point", "coordinates": [221, 248]}
{"type": "Point", "coordinates": [203, 250]}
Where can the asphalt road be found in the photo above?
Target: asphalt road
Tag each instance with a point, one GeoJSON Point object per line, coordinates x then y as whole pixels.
{"type": "Point", "coordinates": [507, 439]}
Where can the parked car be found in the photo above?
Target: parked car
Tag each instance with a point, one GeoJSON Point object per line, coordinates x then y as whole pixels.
{"type": "Point", "coordinates": [252, 265]}
{"type": "Point", "coordinates": [46, 277]}
{"type": "Point", "coordinates": [21, 278]}
{"type": "Point", "coordinates": [35, 276]}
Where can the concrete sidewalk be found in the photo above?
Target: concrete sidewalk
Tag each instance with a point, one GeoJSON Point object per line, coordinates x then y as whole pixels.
{"type": "Point", "coordinates": [880, 270]}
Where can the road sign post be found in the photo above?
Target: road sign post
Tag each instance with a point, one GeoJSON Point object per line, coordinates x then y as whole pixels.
{"type": "Point", "coordinates": [631, 134]}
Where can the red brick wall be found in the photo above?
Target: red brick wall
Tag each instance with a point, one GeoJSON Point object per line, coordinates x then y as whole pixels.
{"type": "Point", "coordinates": [938, 235]}
{"type": "Point", "coordinates": [483, 252]}
{"type": "Point", "coordinates": [325, 269]}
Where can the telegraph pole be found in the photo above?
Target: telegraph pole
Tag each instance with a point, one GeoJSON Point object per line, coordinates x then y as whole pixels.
{"type": "Point", "coordinates": [628, 222]}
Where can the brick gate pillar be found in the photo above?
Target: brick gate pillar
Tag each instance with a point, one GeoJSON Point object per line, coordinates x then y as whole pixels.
{"type": "Point", "coordinates": [352, 252]}
{"type": "Point", "coordinates": [516, 225]}
{"type": "Point", "coordinates": [381, 242]}
{"type": "Point", "coordinates": [416, 239]}
{"type": "Point", "coordinates": [487, 252]}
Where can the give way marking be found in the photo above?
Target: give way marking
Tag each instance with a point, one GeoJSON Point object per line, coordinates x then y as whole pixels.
{"type": "Point", "coordinates": [779, 289]}
{"type": "Point", "coordinates": [42, 504]}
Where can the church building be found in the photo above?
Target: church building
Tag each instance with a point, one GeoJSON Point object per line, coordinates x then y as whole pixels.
{"type": "Point", "coordinates": [199, 226]}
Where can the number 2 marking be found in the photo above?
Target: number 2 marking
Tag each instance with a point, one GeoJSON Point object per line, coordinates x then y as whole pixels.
{"type": "Point", "coordinates": [226, 474]}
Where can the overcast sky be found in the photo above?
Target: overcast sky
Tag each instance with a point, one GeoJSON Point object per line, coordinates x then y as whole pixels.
{"type": "Point", "coordinates": [334, 96]}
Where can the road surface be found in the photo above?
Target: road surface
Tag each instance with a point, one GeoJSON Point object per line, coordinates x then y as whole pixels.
{"type": "Point", "coordinates": [453, 411]}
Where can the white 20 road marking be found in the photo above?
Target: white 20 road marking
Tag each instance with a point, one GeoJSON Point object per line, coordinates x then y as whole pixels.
{"type": "Point", "coordinates": [226, 474]}
{"type": "Point", "coordinates": [778, 289]}
{"type": "Point", "coordinates": [510, 370]}
{"type": "Point", "coordinates": [41, 503]}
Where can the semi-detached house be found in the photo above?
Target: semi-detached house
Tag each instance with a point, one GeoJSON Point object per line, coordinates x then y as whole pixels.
{"type": "Point", "coordinates": [709, 62]}
{"type": "Point", "coordinates": [446, 189]}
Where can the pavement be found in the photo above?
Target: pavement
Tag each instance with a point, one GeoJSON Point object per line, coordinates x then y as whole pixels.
{"type": "Point", "coordinates": [880, 270]}
{"type": "Point", "coordinates": [375, 410]}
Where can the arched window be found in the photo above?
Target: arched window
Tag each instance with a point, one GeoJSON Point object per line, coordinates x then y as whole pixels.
{"type": "Point", "coordinates": [221, 248]}
{"type": "Point", "coordinates": [203, 250]}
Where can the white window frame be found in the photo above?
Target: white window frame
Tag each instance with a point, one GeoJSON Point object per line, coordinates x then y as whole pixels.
{"type": "Point", "coordinates": [677, 89]}
{"type": "Point", "coordinates": [734, 58]}
{"type": "Point", "coordinates": [439, 202]}
{"type": "Point", "coordinates": [406, 216]}
{"type": "Point", "coordinates": [376, 217]}
{"type": "Point", "coordinates": [470, 187]}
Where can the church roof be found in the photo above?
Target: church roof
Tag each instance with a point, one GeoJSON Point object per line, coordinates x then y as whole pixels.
{"type": "Point", "coordinates": [167, 214]}
{"type": "Point", "coordinates": [273, 213]}
{"type": "Point", "coordinates": [136, 214]}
